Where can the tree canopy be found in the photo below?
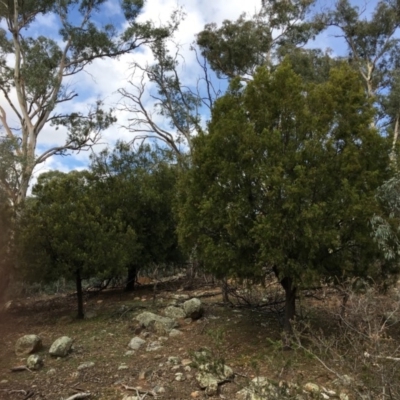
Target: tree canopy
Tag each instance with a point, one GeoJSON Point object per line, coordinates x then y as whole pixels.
{"type": "Point", "coordinates": [285, 179]}
{"type": "Point", "coordinates": [65, 232]}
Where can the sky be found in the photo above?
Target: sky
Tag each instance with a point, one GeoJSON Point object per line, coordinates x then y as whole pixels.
{"type": "Point", "coordinates": [102, 79]}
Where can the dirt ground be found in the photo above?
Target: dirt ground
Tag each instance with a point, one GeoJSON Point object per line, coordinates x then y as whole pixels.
{"type": "Point", "coordinates": [248, 341]}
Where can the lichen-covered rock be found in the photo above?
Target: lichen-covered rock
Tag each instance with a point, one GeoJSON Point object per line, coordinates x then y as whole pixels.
{"type": "Point", "coordinates": [209, 382]}
{"type": "Point", "coordinates": [193, 308]}
{"type": "Point", "coordinates": [154, 346]}
{"type": "Point", "coordinates": [28, 344]}
{"type": "Point", "coordinates": [260, 388]}
{"type": "Point", "coordinates": [156, 323]}
{"type": "Point", "coordinates": [174, 312]}
{"type": "Point", "coordinates": [34, 361]}
{"type": "Point", "coordinates": [210, 376]}
{"type": "Point", "coordinates": [61, 347]}
{"type": "Point", "coordinates": [136, 343]}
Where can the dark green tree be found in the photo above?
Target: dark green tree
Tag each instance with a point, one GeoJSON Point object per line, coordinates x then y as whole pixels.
{"type": "Point", "coordinates": [65, 231]}
{"type": "Point", "coordinates": [33, 82]}
{"type": "Point", "coordinates": [140, 183]}
{"type": "Point", "coordinates": [285, 179]}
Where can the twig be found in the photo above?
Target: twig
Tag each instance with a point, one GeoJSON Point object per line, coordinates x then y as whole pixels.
{"type": "Point", "coordinates": [29, 395]}
{"type": "Point", "coordinates": [139, 391]}
{"type": "Point", "coordinates": [20, 368]}
{"type": "Point", "coordinates": [79, 396]}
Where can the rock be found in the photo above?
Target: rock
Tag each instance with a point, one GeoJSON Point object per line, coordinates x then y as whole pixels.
{"type": "Point", "coordinates": [175, 333]}
{"type": "Point", "coordinates": [312, 388]}
{"type": "Point", "coordinates": [221, 372]}
{"type": "Point", "coordinates": [193, 308]}
{"type": "Point", "coordinates": [180, 296]}
{"type": "Point", "coordinates": [61, 347]}
{"type": "Point", "coordinates": [156, 323]}
{"type": "Point", "coordinates": [208, 382]}
{"type": "Point", "coordinates": [179, 377]}
{"type": "Point", "coordinates": [28, 344]}
{"type": "Point", "coordinates": [195, 394]}
{"type": "Point", "coordinates": [34, 361]}
{"type": "Point", "coordinates": [174, 360]}
{"type": "Point", "coordinates": [343, 396]}
{"type": "Point", "coordinates": [122, 367]}
{"type": "Point", "coordinates": [186, 361]}
{"type": "Point", "coordinates": [136, 343]}
{"type": "Point", "coordinates": [174, 312]}
{"type": "Point", "coordinates": [159, 389]}
{"type": "Point", "coordinates": [154, 346]}
{"type": "Point", "coordinates": [86, 365]}
{"type": "Point", "coordinates": [260, 388]}
{"type": "Point", "coordinates": [129, 353]}
{"type": "Point", "coordinates": [51, 371]}
{"type": "Point", "coordinates": [210, 376]}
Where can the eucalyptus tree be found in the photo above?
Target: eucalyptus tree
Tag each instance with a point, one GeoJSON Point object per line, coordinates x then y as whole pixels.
{"type": "Point", "coordinates": [285, 179]}
{"type": "Point", "coordinates": [236, 48]}
{"type": "Point", "coordinates": [373, 49]}
{"type": "Point", "coordinates": [65, 231]}
{"type": "Point", "coordinates": [34, 69]}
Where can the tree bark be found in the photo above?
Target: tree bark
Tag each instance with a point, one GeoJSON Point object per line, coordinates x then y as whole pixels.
{"type": "Point", "coordinates": [79, 294]}
{"type": "Point", "coordinates": [131, 279]}
{"type": "Point", "coordinates": [290, 303]}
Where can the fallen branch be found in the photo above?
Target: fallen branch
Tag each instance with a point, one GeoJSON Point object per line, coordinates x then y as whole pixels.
{"type": "Point", "coordinates": [79, 396]}
{"type": "Point", "coordinates": [20, 368]}
{"type": "Point", "coordinates": [139, 391]}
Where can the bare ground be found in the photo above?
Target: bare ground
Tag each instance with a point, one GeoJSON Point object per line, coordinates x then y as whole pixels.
{"type": "Point", "coordinates": [248, 341]}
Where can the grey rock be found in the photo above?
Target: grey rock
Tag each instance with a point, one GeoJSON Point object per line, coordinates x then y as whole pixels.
{"type": "Point", "coordinates": [122, 367]}
{"type": "Point", "coordinates": [211, 376]}
{"type": "Point", "coordinates": [179, 376]}
{"type": "Point", "coordinates": [193, 308]}
{"type": "Point", "coordinates": [175, 333]}
{"type": "Point", "coordinates": [174, 312]}
{"type": "Point", "coordinates": [129, 353]}
{"type": "Point", "coordinates": [208, 382]}
{"type": "Point", "coordinates": [156, 323]}
{"type": "Point", "coordinates": [28, 344]}
{"type": "Point", "coordinates": [61, 347]}
{"type": "Point", "coordinates": [86, 365]}
{"type": "Point", "coordinates": [154, 346]}
{"type": "Point", "coordinates": [260, 388]}
{"type": "Point", "coordinates": [34, 361]}
{"type": "Point", "coordinates": [51, 371]}
{"type": "Point", "coordinates": [159, 389]}
{"type": "Point", "coordinates": [136, 343]}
